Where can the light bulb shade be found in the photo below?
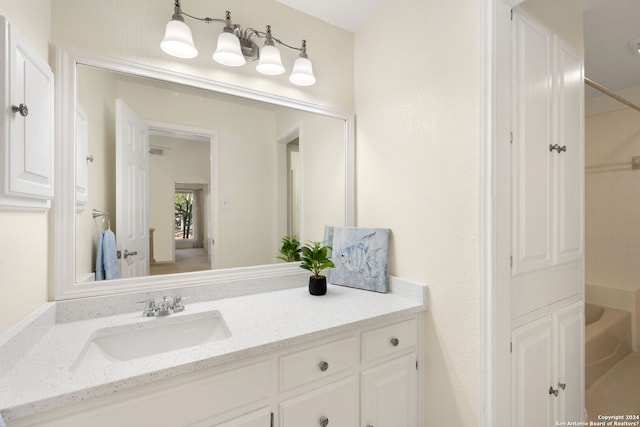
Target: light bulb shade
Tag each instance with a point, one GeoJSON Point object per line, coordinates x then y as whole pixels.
{"type": "Point", "coordinates": [178, 40]}
{"type": "Point", "coordinates": [302, 74]}
{"type": "Point", "coordinates": [270, 62]}
{"type": "Point", "coordinates": [228, 51]}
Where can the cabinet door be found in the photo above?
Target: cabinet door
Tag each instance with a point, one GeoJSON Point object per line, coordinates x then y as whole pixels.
{"type": "Point", "coordinates": [532, 168]}
{"type": "Point", "coordinates": [532, 404]}
{"type": "Point", "coordinates": [389, 393]}
{"type": "Point", "coordinates": [333, 405]}
{"type": "Point", "coordinates": [27, 146]}
{"type": "Point", "coordinates": [569, 134]}
{"type": "Point", "coordinates": [31, 159]}
{"type": "Point", "coordinates": [569, 326]}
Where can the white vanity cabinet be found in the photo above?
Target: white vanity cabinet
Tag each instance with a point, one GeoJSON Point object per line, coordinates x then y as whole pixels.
{"type": "Point", "coordinates": [26, 145]}
{"type": "Point", "coordinates": [364, 377]}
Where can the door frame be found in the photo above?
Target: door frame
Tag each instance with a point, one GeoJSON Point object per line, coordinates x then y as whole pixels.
{"type": "Point", "coordinates": [212, 135]}
{"type": "Point", "coordinates": [494, 69]}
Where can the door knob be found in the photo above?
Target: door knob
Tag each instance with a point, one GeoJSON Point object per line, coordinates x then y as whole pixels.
{"type": "Point", "coordinates": [128, 254]}
{"type": "Point", "coordinates": [552, 391]}
{"type": "Point", "coordinates": [324, 421]}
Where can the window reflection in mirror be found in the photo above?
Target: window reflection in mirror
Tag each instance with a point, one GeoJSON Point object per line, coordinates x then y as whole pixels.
{"type": "Point", "coordinates": [235, 156]}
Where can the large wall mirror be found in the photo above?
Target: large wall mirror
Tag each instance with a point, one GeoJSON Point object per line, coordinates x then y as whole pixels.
{"type": "Point", "coordinates": [197, 181]}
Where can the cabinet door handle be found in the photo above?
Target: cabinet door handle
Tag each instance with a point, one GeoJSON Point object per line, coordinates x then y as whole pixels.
{"type": "Point", "coordinates": [562, 385]}
{"type": "Point", "coordinates": [22, 109]}
{"type": "Point", "coordinates": [552, 391]}
{"type": "Point", "coordinates": [323, 366]}
{"type": "Point", "coordinates": [559, 148]}
{"type": "Point", "coordinates": [324, 421]}
{"type": "Point", "coordinates": [395, 342]}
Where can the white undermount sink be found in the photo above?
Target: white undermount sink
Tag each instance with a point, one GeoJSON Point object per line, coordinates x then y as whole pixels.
{"type": "Point", "coordinates": [151, 336]}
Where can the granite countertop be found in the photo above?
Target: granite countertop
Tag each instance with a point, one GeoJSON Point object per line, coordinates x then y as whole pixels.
{"type": "Point", "coordinates": [45, 377]}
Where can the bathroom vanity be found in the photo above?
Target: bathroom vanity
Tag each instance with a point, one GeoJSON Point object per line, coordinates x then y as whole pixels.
{"type": "Point", "coordinates": [278, 358]}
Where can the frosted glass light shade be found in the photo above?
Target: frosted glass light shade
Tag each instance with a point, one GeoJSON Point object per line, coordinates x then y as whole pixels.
{"type": "Point", "coordinates": [270, 62]}
{"type": "Point", "coordinates": [228, 51]}
{"type": "Point", "coordinates": [302, 74]}
{"type": "Point", "coordinates": [178, 40]}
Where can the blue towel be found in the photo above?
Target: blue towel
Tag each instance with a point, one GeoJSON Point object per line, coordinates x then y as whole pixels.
{"type": "Point", "coordinates": [107, 258]}
{"type": "Point", "coordinates": [1, 421]}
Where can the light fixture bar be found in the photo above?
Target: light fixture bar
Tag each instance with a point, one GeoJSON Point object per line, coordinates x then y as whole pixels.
{"type": "Point", "coordinates": [235, 47]}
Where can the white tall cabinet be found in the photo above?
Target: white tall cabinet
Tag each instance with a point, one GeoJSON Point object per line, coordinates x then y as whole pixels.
{"type": "Point", "coordinates": [547, 227]}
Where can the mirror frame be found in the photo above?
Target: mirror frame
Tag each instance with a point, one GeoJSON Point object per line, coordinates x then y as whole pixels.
{"type": "Point", "coordinates": [64, 205]}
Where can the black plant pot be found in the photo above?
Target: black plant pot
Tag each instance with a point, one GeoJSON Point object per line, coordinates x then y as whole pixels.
{"type": "Point", "coordinates": [317, 285]}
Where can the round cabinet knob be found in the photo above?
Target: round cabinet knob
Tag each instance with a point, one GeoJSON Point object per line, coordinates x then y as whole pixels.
{"type": "Point", "coordinates": [22, 109]}
{"type": "Point", "coordinates": [323, 366]}
{"type": "Point", "coordinates": [324, 421]}
{"type": "Point", "coordinates": [395, 342]}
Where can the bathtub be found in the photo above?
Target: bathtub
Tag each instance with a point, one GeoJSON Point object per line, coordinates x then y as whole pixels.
{"type": "Point", "coordinates": [607, 339]}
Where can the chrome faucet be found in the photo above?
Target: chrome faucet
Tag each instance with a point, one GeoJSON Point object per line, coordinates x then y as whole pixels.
{"type": "Point", "coordinates": [164, 307]}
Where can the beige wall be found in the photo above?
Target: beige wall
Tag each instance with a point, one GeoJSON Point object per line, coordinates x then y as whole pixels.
{"type": "Point", "coordinates": [417, 173]}
{"type": "Point", "coordinates": [24, 254]}
{"type": "Point", "coordinates": [612, 199]}
{"type": "Point", "coordinates": [133, 30]}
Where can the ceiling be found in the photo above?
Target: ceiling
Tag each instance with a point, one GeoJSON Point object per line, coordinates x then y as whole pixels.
{"type": "Point", "coordinates": [609, 25]}
{"type": "Point", "coordinates": [346, 14]}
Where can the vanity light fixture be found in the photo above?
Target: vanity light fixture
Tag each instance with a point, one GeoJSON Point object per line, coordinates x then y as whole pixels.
{"type": "Point", "coordinates": [235, 47]}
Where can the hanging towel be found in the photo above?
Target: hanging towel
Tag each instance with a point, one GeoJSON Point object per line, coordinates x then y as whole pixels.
{"type": "Point", "coordinates": [107, 258]}
{"type": "Point", "coordinates": [1, 421]}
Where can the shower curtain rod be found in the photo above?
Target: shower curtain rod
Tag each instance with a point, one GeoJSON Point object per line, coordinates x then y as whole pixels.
{"type": "Point", "coordinates": [611, 94]}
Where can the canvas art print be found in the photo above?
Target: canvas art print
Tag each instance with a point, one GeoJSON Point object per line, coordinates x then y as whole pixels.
{"type": "Point", "coordinates": [360, 256]}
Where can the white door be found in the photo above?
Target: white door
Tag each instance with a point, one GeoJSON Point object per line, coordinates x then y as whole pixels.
{"type": "Point", "coordinates": [569, 90]}
{"type": "Point", "coordinates": [389, 393]}
{"type": "Point", "coordinates": [569, 326]}
{"type": "Point", "coordinates": [132, 195]}
{"type": "Point", "coordinates": [332, 405]}
{"type": "Point", "coordinates": [532, 375]}
{"type": "Point", "coordinates": [532, 173]}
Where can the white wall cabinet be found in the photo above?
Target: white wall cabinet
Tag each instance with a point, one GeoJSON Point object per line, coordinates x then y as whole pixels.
{"type": "Point", "coordinates": [547, 369]}
{"type": "Point", "coordinates": [26, 146]}
{"type": "Point", "coordinates": [547, 167]}
{"type": "Point", "coordinates": [320, 384]}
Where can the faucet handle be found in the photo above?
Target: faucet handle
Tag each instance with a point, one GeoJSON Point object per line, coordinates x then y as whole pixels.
{"type": "Point", "coordinates": [177, 303]}
{"type": "Point", "coordinates": [150, 307]}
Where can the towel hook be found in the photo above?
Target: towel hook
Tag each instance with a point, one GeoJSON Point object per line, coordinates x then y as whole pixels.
{"type": "Point", "coordinates": [96, 213]}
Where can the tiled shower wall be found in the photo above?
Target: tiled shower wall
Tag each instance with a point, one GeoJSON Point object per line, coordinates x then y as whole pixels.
{"type": "Point", "coordinates": [612, 199]}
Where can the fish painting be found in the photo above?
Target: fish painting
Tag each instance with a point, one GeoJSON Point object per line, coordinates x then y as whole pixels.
{"type": "Point", "coordinates": [360, 257]}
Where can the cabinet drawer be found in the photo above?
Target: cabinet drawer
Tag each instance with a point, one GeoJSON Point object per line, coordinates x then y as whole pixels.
{"type": "Point", "coordinates": [317, 362]}
{"type": "Point", "coordinates": [336, 403]}
{"type": "Point", "coordinates": [388, 340]}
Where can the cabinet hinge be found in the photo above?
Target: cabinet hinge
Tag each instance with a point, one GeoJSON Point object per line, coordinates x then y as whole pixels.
{"type": "Point", "coordinates": [511, 14]}
{"type": "Point", "coordinates": [510, 137]}
{"type": "Point", "coordinates": [510, 347]}
{"type": "Point", "coordinates": [272, 419]}
{"type": "Point", "coordinates": [416, 365]}
{"type": "Point", "coordinates": [511, 261]}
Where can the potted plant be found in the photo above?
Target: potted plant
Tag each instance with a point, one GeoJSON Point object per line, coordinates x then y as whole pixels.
{"type": "Point", "coordinates": [290, 250]}
{"type": "Point", "coordinates": [314, 258]}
